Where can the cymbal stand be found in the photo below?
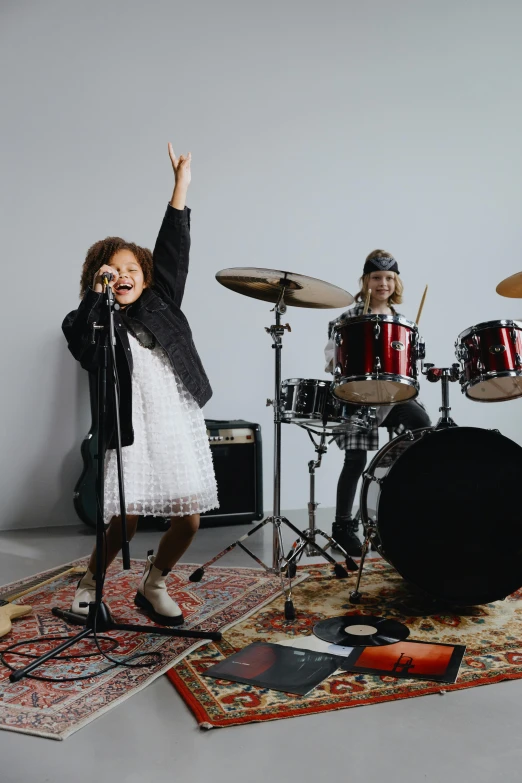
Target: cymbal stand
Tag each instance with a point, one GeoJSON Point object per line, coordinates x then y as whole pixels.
{"type": "Point", "coordinates": [279, 563]}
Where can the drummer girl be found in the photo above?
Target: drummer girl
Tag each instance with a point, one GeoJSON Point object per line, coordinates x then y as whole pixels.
{"type": "Point", "coordinates": [381, 276]}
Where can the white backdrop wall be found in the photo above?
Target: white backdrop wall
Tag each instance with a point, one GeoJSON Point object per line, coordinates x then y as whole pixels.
{"type": "Point", "coordinates": [318, 132]}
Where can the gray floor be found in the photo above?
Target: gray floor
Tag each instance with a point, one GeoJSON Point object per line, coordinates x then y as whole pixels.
{"type": "Point", "coordinates": [470, 735]}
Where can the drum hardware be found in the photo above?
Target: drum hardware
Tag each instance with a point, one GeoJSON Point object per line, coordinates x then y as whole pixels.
{"type": "Point", "coordinates": [282, 289]}
{"type": "Point", "coordinates": [304, 545]}
{"type": "Point", "coordinates": [445, 375]}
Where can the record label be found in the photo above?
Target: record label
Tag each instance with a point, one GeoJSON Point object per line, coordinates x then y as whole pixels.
{"type": "Point", "coordinates": [358, 630]}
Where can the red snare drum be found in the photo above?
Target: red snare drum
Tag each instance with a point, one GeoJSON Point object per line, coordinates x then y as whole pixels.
{"type": "Point", "coordinates": [491, 359]}
{"type": "Point", "coordinates": [375, 359]}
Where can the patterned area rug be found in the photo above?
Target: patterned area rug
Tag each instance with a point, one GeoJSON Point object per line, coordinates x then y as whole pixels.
{"type": "Point", "coordinates": [492, 634]}
{"type": "Point", "coordinates": [56, 710]}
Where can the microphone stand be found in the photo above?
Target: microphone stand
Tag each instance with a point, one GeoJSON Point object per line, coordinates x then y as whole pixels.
{"type": "Point", "coordinates": [99, 618]}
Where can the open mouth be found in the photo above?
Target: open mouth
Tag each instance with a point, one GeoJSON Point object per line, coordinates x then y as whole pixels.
{"type": "Point", "coordinates": [122, 288]}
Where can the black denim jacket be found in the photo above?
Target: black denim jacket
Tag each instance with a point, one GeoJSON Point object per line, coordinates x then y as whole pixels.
{"type": "Point", "coordinates": [158, 309]}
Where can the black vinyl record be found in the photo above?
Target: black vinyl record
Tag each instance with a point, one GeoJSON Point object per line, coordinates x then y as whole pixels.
{"type": "Point", "coordinates": [361, 630]}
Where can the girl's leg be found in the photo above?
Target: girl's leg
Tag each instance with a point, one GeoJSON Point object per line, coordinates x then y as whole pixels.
{"type": "Point", "coordinates": [152, 595]}
{"type": "Point", "coordinates": [86, 590]}
{"type": "Point", "coordinates": [344, 529]}
{"type": "Point", "coordinates": [176, 541]}
{"type": "Point", "coordinates": [113, 540]}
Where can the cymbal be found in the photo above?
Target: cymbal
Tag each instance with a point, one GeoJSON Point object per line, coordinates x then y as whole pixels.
{"type": "Point", "coordinates": [299, 290]}
{"type": "Point", "coordinates": [511, 286]}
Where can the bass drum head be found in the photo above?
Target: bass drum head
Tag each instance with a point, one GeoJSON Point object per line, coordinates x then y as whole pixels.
{"type": "Point", "coordinates": [449, 515]}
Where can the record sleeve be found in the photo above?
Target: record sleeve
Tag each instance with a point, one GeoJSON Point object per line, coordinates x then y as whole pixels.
{"type": "Point", "coordinates": [413, 659]}
{"type": "Point", "coordinates": [276, 666]}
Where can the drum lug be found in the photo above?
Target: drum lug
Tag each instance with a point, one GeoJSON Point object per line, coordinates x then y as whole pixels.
{"type": "Point", "coordinates": [377, 365]}
{"type": "Point", "coordinates": [338, 371]}
{"type": "Point", "coordinates": [338, 338]}
{"type": "Point", "coordinates": [518, 360]}
{"type": "Point", "coordinates": [481, 366]}
{"type": "Point", "coordinates": [461, 352]}
{"type": "Point", "coordinates": [376, 327]}
{"type": "Point", "coordinates": [420, 347]}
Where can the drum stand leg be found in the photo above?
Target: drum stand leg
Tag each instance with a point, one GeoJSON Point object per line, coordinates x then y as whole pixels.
{"type": "Point", "coordinates": [306, 543]}
{"type": "Point", "coordinates": [356, 595]}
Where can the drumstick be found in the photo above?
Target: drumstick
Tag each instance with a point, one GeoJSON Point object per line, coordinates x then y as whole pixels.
{"type": "Point", "coordinates": [367, 301]}
{"type": "Point", "coordinates": [421, 305]}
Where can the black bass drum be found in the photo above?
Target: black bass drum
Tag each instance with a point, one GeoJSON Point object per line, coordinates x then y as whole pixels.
{"type": "Point", "coordinates": [446, 513]}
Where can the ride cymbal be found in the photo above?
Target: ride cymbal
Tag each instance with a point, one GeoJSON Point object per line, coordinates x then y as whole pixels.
{"type": "Point", "coordinates": [299, 290]}
{"type": "Point", "coordinates": [511, 286]}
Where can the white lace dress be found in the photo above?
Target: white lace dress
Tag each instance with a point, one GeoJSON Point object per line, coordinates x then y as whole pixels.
{"type": "Point", "coordinates": [168, 470]}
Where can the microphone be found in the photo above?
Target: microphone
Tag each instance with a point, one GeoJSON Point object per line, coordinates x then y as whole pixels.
{"type": "Point", "coordinates": [107, 277]}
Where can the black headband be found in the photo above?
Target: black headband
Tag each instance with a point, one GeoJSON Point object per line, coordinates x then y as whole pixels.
{"type": "Point", "coordinates": [381, 263]}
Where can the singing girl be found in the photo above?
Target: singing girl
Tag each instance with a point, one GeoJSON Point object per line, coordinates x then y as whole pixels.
{"type": "Point", "coordinates": [167, 462]}
{"type": "Point", "coordinates": [381, 276]}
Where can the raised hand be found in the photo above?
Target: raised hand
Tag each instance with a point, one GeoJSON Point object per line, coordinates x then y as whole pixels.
{"type": "Point", "coordinates": [181, 167]}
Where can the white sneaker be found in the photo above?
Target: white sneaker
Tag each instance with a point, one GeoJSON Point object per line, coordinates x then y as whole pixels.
{"type": "Point", "coordinates": [152, 595]}
{"type": "Point", "coordinates": [85, 593]}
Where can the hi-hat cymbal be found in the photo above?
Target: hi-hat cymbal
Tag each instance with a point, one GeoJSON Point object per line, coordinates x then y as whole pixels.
{"type": "Point", "coordinates": [511, 286]}
{"type": "Point", "coordinates": [299, 290]}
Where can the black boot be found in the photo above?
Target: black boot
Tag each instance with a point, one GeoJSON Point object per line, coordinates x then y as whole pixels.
{"type": "Point", "coordinates": [345, 533]}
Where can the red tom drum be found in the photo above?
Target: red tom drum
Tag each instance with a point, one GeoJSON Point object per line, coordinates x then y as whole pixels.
{"type": "Point", "coordinates": [491, 359]}
{"type": "Point", "coordinates": [375, 359]}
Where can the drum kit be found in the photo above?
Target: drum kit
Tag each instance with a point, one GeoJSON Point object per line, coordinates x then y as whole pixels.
{"type": "Point", "coordinates": [440, 504]}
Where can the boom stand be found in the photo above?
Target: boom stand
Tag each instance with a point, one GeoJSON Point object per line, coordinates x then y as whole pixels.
{"type": "Point", "coordinates": [99, 618]}
{"type": "Point", "coordinates": [279, 563]}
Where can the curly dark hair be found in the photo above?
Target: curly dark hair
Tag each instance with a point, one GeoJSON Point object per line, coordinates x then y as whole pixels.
{"type": "Point", "coordinates": [102, 252]}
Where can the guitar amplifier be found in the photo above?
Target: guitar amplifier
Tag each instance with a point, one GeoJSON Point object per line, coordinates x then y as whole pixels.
{"type": "Point", "coordinates": [237, 455]}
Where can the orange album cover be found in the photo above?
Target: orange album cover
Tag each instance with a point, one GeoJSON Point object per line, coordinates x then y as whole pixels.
{"type": "Point", "coordinates": [418, 660]}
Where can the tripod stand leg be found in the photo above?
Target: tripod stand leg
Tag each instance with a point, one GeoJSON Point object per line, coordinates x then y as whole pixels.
{"type": "Point", "coordinates": [355, 596]}
{"type": "Point", "coordinates": [333, 543]}
{"type": "Point", "coordinates": [19, 673]}
{"type": "Point", "coordinates": [197, 575]}
{"type": "Point", "coordinates": [319, 550]}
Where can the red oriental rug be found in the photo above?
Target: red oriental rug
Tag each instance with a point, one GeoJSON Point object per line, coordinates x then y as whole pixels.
{"type": "Point", "coordinates": [492, 634]}
{"type": "Point", "coordinates": [56, 710]}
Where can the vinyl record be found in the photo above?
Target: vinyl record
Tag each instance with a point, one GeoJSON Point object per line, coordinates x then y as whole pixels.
{"type": "Point", "coordinates": [361, 630]}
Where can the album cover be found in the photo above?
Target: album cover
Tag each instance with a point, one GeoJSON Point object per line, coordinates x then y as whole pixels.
{"type": "Point", "coordinates": [277, 667]}
{"type": "Point", "coordinates": [415, 660]}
